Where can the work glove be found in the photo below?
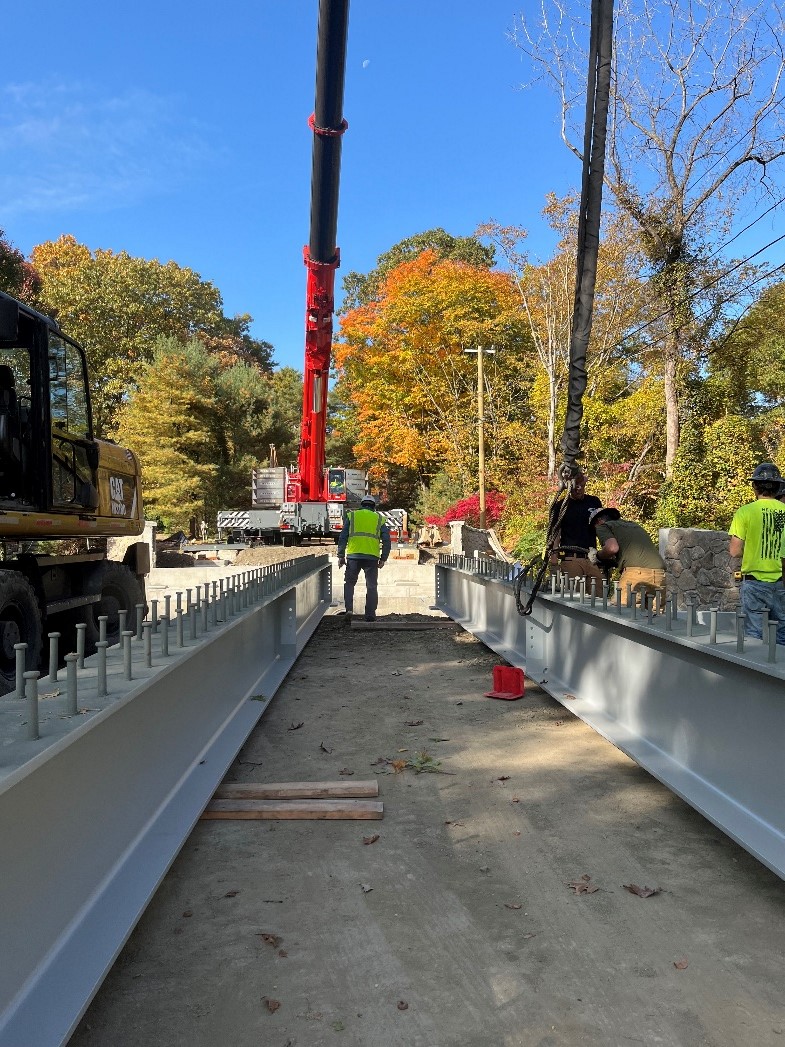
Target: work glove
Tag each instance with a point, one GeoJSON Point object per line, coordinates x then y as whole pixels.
{"type": "Point", "coordinates": [592, 556]}
{"type": "Point", "coordinates": [382, 563]}
{"type": "Point", "coordinates": [341, 561]}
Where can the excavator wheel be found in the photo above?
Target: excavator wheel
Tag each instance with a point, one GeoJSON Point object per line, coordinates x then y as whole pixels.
{"type": "Point", "coordinates": [119, 590]}
{"type": "Point", "coordinates": [20, 622]}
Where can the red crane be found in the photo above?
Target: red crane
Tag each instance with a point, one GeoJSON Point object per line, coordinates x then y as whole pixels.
{"type": "Point", "coordinates": [321, 255]}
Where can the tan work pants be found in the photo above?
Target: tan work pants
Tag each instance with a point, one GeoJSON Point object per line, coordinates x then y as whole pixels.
{"type": "Point", "coordinates": [643, 580]}
{"type": "Point", "coordinates": [581, 567]}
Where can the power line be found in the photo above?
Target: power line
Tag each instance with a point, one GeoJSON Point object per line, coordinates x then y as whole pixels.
{"type": "Point", "coordinates": [713, 283]}
{"type": "Point", "coordinates": [746, 309]}
{"type": "Point", "coordinates": [747, 228]}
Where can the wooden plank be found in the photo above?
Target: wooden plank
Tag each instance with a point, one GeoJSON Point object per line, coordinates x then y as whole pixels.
{"type": "Point", "coordinates": [268, 810]}
{"type": "Point", "coordinates": [382, 624]}
{"type": "Point", "coordinates": [294, 790]}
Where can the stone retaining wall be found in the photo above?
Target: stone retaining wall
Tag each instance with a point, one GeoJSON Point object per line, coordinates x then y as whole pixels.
{"type": "Point", "coordinates": [698, 567]}
{"type": "Point", "coordinates": [466, 540]}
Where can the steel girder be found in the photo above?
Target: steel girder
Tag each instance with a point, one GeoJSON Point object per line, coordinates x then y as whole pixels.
{"type": "Point", "coordinates": [680, 699]}
{"type": "Point", "coordinates": [92, 823]}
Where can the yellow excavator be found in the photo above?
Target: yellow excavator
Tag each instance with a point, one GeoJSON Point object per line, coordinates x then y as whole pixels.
{"type": "Point", "coordinates": [57, 481]}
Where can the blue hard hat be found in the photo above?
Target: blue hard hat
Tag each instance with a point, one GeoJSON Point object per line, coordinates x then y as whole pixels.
{"type": "Point", "coordinates": [766, 472]}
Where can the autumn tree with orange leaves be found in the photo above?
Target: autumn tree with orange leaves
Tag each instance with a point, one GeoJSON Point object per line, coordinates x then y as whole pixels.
{"type": "Point", "coordinates": [402, 364]}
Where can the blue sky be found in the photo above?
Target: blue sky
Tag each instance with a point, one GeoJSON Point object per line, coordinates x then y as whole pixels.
{"type": "Point", "coordinates": [178, 130]}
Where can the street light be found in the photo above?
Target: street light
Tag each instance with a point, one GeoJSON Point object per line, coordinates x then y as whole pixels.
{"type": "Point", "coordinates": [481, 428]}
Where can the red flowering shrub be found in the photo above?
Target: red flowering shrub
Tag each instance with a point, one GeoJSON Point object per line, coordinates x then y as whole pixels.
{"type": "Point", "coordinates": [468, 509]}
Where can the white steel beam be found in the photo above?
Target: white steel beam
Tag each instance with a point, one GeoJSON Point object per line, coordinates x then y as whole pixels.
{"type": "Point", "coordinates": [701, 710]}
{"type": "Point", "coordinates": [91, 824]}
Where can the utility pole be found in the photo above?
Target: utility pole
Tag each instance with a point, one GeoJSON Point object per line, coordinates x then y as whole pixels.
{"type": "Point", "coordinates": [481, 428]}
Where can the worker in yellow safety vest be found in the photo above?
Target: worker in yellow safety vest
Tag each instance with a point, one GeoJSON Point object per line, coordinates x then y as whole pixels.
{"type": "Point", "coordinates": [363, 545]}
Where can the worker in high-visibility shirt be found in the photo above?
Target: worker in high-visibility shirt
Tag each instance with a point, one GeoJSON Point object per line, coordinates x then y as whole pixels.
{"type": "Point", "coordinates": [363, 545]}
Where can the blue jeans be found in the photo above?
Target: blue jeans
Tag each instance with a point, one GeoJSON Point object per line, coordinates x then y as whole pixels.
{"type": "Point", "coordinates": [757, 597]}
{"type": "Point", "coordinates": [355, 564]}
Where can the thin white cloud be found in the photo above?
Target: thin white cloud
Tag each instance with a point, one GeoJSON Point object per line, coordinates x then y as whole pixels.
{"type": "Point", "coordinates": [64, 146]}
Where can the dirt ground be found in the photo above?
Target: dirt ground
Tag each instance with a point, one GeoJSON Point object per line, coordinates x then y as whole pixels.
{"type": "Point", "coordinates": [460, 925]}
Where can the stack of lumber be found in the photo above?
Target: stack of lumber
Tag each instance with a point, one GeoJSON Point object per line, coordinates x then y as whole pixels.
{"type": "Point", "coordinates": [335, 800]}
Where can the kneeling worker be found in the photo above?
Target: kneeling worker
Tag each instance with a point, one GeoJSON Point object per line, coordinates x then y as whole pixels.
{"type": "Point", "coordinates": [363, 545]}
{"type": "Point", "coordinates": [640, 564]}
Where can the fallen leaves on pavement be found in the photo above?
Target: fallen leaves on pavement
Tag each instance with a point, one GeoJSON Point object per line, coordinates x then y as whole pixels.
{"type": "Point", "coordinates": [512, 905]}
{"type": "Point", "coordinates": [681, 964]}
{"type": "Point", "coordinates": [419, 763]}
{"type": "Point", "coordinates": [366, 887]}
{"type": "Point", "coordinates": [403, 1005]}
{"type": "Point", "coordinates": [425, 762]}
{"type": "Point", "coordinates": [370, 839]}
{"type": "Point", "coordinates": [296, 726]}
{"type": "Point", "coordinates": [270, 939]}
{"type": "Point", "coordinates": [582, 886]}
{"type": "Point", "coordinates": [271, 1005]}
{"type": "Point", "coordinates": [324, 748]}
{"type": "Point", "coordinates": [414, 723]}
{"type": "Point", "coordinates": [346, 771]}
{"type": "Point", "coordinates": [642, 892]}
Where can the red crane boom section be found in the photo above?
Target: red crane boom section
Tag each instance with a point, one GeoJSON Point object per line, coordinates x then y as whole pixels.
{"type": "Point", "coordinates": [321, 255]}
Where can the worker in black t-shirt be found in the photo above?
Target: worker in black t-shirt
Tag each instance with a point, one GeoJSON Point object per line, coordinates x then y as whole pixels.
{"type": "Point", "coordinates": [575, 537]}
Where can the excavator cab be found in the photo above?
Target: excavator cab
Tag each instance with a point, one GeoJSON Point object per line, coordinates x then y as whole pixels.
{"type": "Point", "coordinates": [48, 456]}
{"type": "Point", "coordinates": [57, 481]}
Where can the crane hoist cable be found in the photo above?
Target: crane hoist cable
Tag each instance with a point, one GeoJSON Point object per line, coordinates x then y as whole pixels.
{"type": "Point", "coordinates": [595, 133]}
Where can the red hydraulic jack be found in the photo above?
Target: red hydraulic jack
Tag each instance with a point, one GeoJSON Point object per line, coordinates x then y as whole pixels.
{"type": "Point", "coordinates": [507, 683]}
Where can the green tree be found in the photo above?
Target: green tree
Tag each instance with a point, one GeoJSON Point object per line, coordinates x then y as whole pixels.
{"type": "Point", "coordinates": [359, 288]}
{"type": "Point", "coordinates": [442, 492]}
{"type": "Point", "coordinates": [164, 424]}
{"type": "Point", "coordinates": [117, 306]}
{"type": "Point", "coordinates": [747, 362]}
{"type": "Point", "coordinates": [286, 403]}
{"type": "Point", "coordinates": [710, 477]}
{"type": "Point", "coordinates": [198, 425]}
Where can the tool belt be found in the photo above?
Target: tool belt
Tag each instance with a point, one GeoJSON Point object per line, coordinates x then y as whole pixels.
{"type": "Point", "coordinates": [566, 552]}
